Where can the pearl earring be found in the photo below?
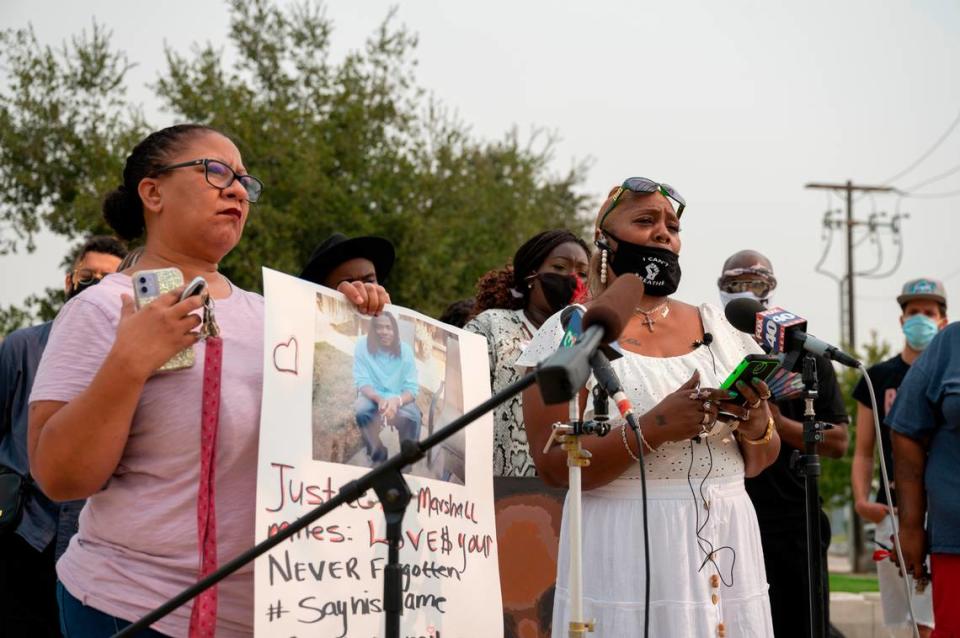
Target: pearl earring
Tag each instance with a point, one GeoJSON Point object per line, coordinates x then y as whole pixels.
{"type": "Point", "coordinates": [603, 267]}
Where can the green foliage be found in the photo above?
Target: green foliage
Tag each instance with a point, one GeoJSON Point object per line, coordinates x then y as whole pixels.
{"type": "Point", "coordinates": [64, 128]}
{"type": "Point", "coordinates": [352, 145]}
{"type": "Point", "coordinates": [835, 477]}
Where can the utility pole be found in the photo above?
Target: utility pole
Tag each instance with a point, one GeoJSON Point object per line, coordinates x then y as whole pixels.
{"type": "Point", "coordinates": [849, 188]}
{"type": "Point", "coordinates": [850, 338]}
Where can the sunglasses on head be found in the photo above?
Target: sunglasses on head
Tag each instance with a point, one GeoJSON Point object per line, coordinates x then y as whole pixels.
{"type": "Point", "coordinates": [644, 185]}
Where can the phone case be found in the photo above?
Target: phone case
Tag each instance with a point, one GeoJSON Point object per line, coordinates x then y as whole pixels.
{"type": "Point", "coordinates": [760, 366]}
{"type": "Point", "coordinates": [147, 286]}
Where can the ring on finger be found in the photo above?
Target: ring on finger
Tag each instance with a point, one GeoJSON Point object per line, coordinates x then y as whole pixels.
{"type": "Point", "coordinates": [766, 397]}
{"type": "Point", "coordinates": [746, 415]}
{"type": "Point", "coordinates": [707, 405]}
{"type": "Point", "coordinates": [706, 419]}
{"type": "Point", "coordinates": [756, 404]}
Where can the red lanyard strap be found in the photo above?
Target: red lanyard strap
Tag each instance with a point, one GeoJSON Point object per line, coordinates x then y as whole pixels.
{"type": "Point", "coordinates": [203, 618]}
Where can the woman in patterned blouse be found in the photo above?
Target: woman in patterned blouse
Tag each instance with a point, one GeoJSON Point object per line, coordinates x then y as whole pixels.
{"type": "Point", "coordinates": [548, 273]}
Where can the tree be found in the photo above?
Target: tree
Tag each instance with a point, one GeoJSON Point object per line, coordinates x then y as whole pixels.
{"type": "Point", "coordinates": [353, 146]}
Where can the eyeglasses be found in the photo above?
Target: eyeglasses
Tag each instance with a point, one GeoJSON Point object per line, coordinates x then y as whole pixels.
{"type": "Point", "coordinates": [219, 175]}
{"type": "Point", "coordinates": [644, 185]}
{"type": "Point", "coordinates": [86, 276]}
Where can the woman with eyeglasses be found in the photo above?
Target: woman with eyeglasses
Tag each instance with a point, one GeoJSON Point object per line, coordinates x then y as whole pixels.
{"type": "Point", "coordinates": [105, 424]}
{"type": "Point", "coordinates": [706, 563]}
{"type": "Point", "coordinates": [548, 272]}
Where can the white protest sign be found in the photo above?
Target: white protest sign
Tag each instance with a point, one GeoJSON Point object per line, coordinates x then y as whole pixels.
{"type": "Point", "coordinates": [340, 390]}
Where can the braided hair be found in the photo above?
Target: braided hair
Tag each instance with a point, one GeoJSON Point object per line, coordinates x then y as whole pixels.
{"type": "Point", "coordinates": [122, 207]}
{"type": "Point", "coordinates": [507, 287]}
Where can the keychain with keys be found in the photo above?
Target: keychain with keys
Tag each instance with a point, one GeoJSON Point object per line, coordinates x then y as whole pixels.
{"type": "Point", "coordinates": [209, 327]}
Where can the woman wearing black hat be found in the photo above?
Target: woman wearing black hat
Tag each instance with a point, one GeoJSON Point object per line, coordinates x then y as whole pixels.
{"type": "Point", "coordinates": [339, 259]}
{"type": "Point", "coordinates": [548, 272]}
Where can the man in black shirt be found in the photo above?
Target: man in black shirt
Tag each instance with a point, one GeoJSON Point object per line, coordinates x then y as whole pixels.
{"type": "Point", "coordinates": [778, 492]}
{"type": "Point", "coordinates": [923, 306]}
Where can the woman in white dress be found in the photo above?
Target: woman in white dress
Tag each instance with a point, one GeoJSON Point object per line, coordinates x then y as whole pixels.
{"type": "Point", "coordinates": [706, 562]}
{"type": "Point", "coordinates": [548, 272]}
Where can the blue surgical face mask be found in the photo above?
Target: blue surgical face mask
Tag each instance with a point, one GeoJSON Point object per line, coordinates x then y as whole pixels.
{"type": "Point", "coordinates": [920, 331]}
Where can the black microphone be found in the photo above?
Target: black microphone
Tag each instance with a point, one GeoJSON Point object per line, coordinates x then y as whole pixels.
{"type": "Point", "coordinates": [612, 310]}
{"type": "Point", "coordinates": [706, 341]}
{"type": "Point", "coordinates": [608, 380]}
{"type": "Point", "coordinates": [781, 332]}
{"type": "Point", "coordinates": [562, 375]}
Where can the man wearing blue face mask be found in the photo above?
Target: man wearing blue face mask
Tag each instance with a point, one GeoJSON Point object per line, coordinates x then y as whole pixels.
{"type": "Point", "coordinates": [923, 303]}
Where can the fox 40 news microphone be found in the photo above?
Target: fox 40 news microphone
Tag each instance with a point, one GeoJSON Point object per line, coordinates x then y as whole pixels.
{"type": "Point", "coordinates": [781, 332]}
{"type": "Point", "coordinates": [562, 375]}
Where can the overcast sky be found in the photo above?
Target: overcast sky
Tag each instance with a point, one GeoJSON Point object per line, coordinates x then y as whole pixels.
{"type": "Point", "coordinates": [737, 104]}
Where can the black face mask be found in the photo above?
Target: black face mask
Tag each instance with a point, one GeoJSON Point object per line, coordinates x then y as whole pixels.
{"type": "Point", "coordinates": [557, 289]}
{"type": "Point", "coordinates": [658, 267]}
{"type": "Point", "coordinates": [76, 289]}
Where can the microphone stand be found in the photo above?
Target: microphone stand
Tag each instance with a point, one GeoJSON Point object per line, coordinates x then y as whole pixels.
{"type": "Point", "coordinates": [807, 465]}
{"type": "Point", "coordinates": [561, 375]}
{"type": "Point", "coordinates": [568, 435]}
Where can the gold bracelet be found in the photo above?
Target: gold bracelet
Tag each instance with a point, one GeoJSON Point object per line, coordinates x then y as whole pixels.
{"type": "Point", "coordinates": [767, 435]}
{"type": "Point", "coordinates": [623, 435]}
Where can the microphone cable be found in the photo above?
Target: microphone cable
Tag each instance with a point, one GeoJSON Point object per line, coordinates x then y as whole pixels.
{"type": "Point", "coordinates": [885, 481]}
{"type": "Point", "coordinates": [635, 426]}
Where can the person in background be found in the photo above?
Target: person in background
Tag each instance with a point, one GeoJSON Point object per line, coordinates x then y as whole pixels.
{"type": "Point", "coordinates": [340, 259]}
{"type": "Point", "coordinates": [778, 492]}
{"type": "Point", "coordinates": [548, 272]}
{"type": "Point", "coordinates": [923, 312]}
{"type": "Point", "coordinates": [925, 420]}
{"type": "Point", "coordinates": [105, 425]}
{"type": "Point", "coordinates": [28, 552]}
{"type": "Point", "coordinates": [458, 313]}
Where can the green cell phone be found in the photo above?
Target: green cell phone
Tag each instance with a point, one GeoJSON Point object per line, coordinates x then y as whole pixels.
{"type": "Point", "coordinates": [760, 366]}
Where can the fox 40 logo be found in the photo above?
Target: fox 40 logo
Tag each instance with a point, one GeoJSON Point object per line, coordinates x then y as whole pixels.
{"type": "Point", "coordinates": [772, 326]}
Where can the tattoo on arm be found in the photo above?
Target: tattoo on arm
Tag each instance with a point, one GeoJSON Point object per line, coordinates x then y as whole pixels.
{"type": "Point", "coordinates": [631, 341]}
{"type": "Point", "coordinates": [660, 420]}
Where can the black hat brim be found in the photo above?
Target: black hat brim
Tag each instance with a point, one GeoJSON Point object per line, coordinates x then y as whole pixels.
{"type": "Point", "coordinates": [377, 249]}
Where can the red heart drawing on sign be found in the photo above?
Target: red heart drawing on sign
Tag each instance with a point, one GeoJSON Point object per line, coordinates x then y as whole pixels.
{"type": "Point", "coordinates": [286, 356]}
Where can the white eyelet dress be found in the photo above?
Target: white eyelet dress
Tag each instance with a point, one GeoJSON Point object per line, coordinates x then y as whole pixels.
{"type": "Point", "coordinates": [686, 600]}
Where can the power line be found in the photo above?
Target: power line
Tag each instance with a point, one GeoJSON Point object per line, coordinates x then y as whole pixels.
{"type": "Point", "coordinates": [933, 195]}
{"type": "Point", "coordinates": [929, 152]}
{"type": "Point", "coordinates": [936, 178]}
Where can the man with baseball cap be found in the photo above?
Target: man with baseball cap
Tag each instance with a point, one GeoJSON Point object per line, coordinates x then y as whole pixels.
{"type": "Point", "coordinates": [923, 305]}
